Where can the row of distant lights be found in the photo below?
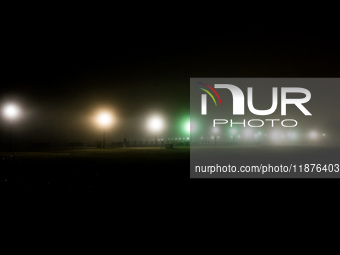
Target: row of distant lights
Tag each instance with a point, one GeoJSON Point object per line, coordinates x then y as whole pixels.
{"type": "Point", "coordinates": [312, 135]}
{"type": "Point", "coordinates": [217, 137]}
{"type": "Point", "coordinates": [155, 123]}
{"type": "Point", "coordinates": [12, 111]}
{"type": "Point", "coordinates": [171, 139]}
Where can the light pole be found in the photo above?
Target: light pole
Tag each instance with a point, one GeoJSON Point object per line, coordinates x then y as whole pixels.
{"type": "Point", "coordinates": [11, 111]}
{"type": "Point", "coordinates": [155, 124]}
{"type": "Point", "coordinates": [104, 119]}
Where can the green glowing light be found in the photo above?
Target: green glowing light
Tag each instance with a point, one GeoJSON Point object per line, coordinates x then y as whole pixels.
{"type": "Point", "coordinates": [187, 127]}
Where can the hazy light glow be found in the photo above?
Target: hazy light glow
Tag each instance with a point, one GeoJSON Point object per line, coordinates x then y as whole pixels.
{"type": "Point", "coordinates": [215, 130]}
{"type": "Point", "coordinates": [11, 111]}
{"type": "Point", "coordinates": [313, 135]}
{"type": "Point", "coordinates": [187, 127]}
{"type": "Point", "coordinates": [247, 132]}
{"type": "Point", "coordinates": [155, 124]}
{"type": "Point", "coordinates": [104, 119]}
{"type": "Point", "coordinates": [276, 135]}
{"type": "Point", "coordinates": [293, 135]}
{"type": "Point", "coordinates": [190, 126]}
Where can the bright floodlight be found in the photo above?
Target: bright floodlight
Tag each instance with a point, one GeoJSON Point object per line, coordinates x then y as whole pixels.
{"type": "Point", "coordinates": [11, 111]}
{"type": "Point", "coordinates": [187, 127]}
{"type": "Point", "coordinates": [155, 124]}
{"type": "Point", "coordinates": [104, 119]}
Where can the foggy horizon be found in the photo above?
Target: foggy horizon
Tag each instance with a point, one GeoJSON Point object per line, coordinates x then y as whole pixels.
{"type": "Point", "coordinates": [59, 90]}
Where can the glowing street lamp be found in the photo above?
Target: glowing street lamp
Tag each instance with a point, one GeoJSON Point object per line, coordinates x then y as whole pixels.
{"type": "Point", "coordinates": [155, 124]}
{"type": "Point", "coordinates": [104, 119]}
{"type": "Point", "coordinates": [11, 112]}
{"type": "Point", "coordinates": [187, 127]}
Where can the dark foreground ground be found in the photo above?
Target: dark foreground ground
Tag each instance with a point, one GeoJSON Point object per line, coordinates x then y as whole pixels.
{"type": "Point", "coordinates": [150, 183]}
{"type": "Point", "coordinates": [91, 174]}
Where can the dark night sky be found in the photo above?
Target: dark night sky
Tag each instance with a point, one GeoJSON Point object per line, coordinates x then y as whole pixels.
{"type": "Point", "coordinates": [61, 70]}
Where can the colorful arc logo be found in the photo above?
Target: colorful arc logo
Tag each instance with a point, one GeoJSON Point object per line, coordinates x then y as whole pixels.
{"type": "Point", "coordinates": [208, 92]}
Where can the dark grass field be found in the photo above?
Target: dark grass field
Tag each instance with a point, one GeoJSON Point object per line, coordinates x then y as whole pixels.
{"type": "Point", "coordinates": [151, 181]}
{"type": "Point", "coordinates": [93, 175]}
{"type": "Point", "coordinates": [113, 189]}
